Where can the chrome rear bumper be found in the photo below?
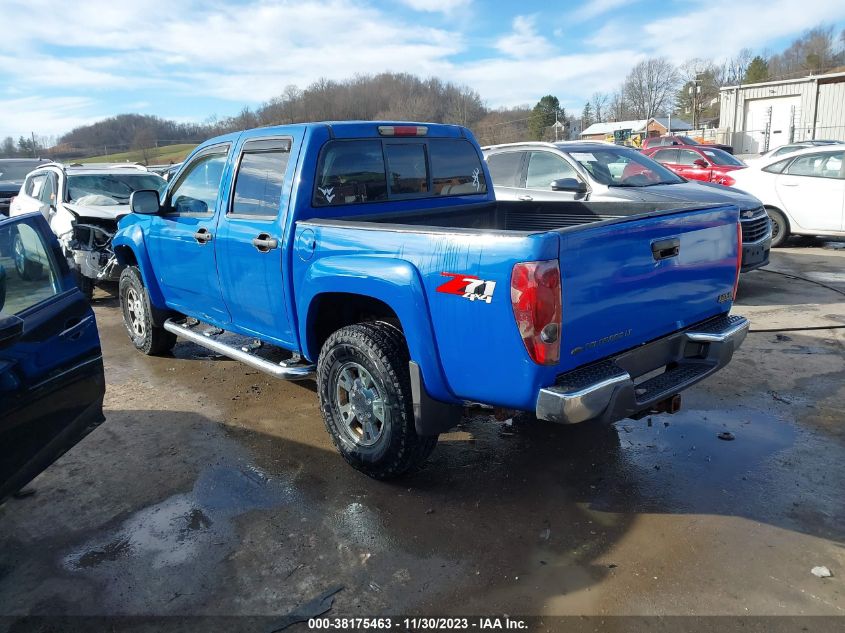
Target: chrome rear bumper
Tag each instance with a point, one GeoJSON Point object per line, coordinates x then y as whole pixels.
{"type": "Point", "coordinates": [620, 387]}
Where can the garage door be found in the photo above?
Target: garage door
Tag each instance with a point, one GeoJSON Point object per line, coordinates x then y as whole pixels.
{"type": "Point", "coordinates": [783, 109]}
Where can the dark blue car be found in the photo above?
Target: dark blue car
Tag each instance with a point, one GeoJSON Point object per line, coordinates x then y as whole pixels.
{"type": "Point", "coordinates": [51, 366]}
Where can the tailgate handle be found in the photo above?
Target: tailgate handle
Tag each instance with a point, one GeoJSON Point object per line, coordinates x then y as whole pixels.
{"type": "Point", "coordinates": [664, 249]}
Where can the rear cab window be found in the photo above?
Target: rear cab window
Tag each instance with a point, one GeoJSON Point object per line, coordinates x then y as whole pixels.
{"type": "Point", "coordinates": [377, 170]}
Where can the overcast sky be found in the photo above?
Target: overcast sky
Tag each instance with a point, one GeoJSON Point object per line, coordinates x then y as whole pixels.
{"type": "Point", "coordinates": [63, 64]}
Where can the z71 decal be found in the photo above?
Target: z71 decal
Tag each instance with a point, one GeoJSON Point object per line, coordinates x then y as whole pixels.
{"type": "Point", "coordinates": [468, 286]}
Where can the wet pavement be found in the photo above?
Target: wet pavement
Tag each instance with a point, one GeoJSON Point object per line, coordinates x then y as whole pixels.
{"type": "Point", "coordinates": [214, 490]}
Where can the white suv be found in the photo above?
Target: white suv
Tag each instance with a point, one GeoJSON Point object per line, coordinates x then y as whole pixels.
{"type": "Point", "coordinates": [83, 204]}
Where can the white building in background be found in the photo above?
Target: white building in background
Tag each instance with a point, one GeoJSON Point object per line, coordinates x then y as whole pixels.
{"type": "Point", "coordinates": [767, 115]}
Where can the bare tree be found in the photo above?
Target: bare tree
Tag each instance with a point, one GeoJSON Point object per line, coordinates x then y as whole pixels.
{"type": "Point", "coordinates": [650, 87]}
{"type": "Point", "coordinates": [599, 102]}
{"type": "Point", "coordinates": [618, 107]}
{"type": "Point", "coordinates": [732, 70]}
{"type": "Point", "coordinates": [144, 141]}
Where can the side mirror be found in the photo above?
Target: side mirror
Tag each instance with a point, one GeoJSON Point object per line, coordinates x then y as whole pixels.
{"type": "Point", "coordinates": [144, 202]}
{"type": "Point", "coordinates": [700, 162]}
{"type": "Point", "coordinates": [569, 184]}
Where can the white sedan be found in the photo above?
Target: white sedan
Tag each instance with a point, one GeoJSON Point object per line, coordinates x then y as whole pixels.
{"type": "Point", "coordinates": [804, 192]}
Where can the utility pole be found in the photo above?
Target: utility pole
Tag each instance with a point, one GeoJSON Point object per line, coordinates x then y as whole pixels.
{"type": "Point", "coordinates": [694, 90]}
{"type": "Point", "coordinates": [32, 134]}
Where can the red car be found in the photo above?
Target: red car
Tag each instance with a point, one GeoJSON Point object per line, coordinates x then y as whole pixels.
{"type": "Point", "coordinates": [697, 162]}
{"type": "Point", "coordinates": [663, 141]}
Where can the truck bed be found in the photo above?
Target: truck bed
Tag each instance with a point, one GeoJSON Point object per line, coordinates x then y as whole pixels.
{"type": "Point", "coordinates": [516, 216]}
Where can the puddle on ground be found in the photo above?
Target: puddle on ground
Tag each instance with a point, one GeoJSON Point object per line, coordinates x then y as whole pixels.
{"type": "Point", "coordinates": [679, 463]}
{"type": "Point", "coordinates": [192, 528]}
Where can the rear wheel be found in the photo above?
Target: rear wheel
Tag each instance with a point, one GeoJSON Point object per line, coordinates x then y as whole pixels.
{"type": "Point", "coordinates": [780, 227]}
{"type": "Point", "coordinates": [137, 315]}
{"type": "Point", "coordinates": [365, 398]}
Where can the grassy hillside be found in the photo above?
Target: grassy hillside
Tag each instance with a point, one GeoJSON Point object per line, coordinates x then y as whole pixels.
{"type": "Point", "coordinates": [157, 155]}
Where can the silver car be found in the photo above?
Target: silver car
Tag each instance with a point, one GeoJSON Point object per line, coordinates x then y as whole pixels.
{"type": "Point", "coordinates": [603, 172]}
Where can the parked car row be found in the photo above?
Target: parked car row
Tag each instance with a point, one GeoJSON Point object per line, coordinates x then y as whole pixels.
{"type": "Point", "coordinates": [592, 172]}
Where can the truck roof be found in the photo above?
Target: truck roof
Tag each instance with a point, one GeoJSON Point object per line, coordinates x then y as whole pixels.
{"type": "Point", "coordinates": [352, 129]}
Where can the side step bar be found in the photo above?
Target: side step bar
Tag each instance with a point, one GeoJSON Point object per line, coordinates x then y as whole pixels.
{"type": "Point", "coordinates": [289, 372]}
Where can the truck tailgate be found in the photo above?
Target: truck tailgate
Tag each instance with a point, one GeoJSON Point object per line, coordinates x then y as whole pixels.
{"type": "Point", "coordinates": [623, 285]}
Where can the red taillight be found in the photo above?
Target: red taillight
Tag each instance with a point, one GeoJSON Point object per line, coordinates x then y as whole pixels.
{"type": "Point", "coordinates": [536, 299]}
{"type": "Point", "coordinates": [402, 130]}
{"type": "Point", "coordinates": [726, 180]}
{"type": "Point", "coordinates": [738, 256]}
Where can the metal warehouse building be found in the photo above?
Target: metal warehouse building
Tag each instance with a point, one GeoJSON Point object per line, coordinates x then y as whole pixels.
{"type": "Point", "coordinates": [767, 115]}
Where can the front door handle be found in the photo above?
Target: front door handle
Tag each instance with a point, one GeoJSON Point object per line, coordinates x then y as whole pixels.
{"type": "Point", "coordinates": [203, 236]}
{"type": "Point", "coordinates": [789, 184]}
{"type": "Point", "coordinates": [526, 198]}
{"type": "Point", "coordinates": [265, 243]}
{"type": "Point", "coordinates": [664, 249]}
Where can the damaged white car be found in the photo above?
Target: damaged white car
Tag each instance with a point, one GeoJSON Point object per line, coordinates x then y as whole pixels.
{"type": "Point", "coordinates": [83, 204]}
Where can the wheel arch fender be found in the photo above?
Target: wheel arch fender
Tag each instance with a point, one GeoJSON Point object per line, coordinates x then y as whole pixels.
{"type": "Point", "coordinates": [393, 282]}
{"type": "Point", "coordinates": [131, 250]}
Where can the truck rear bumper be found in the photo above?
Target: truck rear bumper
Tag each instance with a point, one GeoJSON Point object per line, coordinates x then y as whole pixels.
{"type": "Point", "coordinates": [632, 382]}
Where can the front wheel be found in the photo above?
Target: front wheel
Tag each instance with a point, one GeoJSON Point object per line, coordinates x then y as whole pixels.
{"type": "Point", "coordinates": [137, 315]}
{"type": "Point", "coordinates": [365, 398]}
{"type": "Point", "coordinates": [780, 227]}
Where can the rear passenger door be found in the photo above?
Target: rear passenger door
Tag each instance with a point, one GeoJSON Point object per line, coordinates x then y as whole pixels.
{"type": "Point", "coordinates": [507, 171]}
{"type": "Point", "coordinates": [249, 239]}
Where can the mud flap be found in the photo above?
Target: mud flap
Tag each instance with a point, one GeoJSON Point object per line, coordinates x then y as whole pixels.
{"type": "Point", "coordinates": [431, 417]}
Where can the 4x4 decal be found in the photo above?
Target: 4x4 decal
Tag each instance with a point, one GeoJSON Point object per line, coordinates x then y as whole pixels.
{"type": "Point", "coordinates": [468, 286]}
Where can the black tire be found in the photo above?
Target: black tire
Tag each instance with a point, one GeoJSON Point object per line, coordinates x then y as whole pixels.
{"type": "Point", "coordinates": [374, 355]}
{"type": "Point", "coordinates": [27, 269]}
{"type": "Point", "coordinates": [86, 285]}
{"type": "Point", "coordinates": [780, 227]}
{"type": "Point", "coordinates": [137, 315]}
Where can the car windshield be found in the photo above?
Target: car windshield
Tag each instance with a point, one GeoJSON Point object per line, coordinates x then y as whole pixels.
{"type": "Point", "coordinates": [16, 170]}
{"type": "Point", "coordinates": [110, 189]}
{"type": "Point", "coordinates": [620, 167]}
{"type": "Point", "coordinates": [688, 141]}
{"type": "Point", "coordinates": [721, 157]}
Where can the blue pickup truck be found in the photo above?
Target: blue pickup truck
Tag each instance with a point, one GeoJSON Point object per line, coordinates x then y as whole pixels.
{"type": "Point", "coordinates": [376, 255]}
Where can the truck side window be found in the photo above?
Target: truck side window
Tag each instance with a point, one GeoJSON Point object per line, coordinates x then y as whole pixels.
{"type": "Point", "coordinates": [504, 168]}
{"type": "Point", "coordinates": [196, 191]}
{"type": "Point", "coordinates": [455, 168]}
{"type": "Point", "coordinates": [258, 184]}
{"type": "Point", "coordinates": [544, 167]}
{"type": "Point", "coordinates": [350, 172]}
